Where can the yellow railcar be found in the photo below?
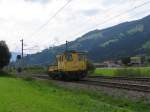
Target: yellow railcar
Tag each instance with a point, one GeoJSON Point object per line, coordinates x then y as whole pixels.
{"type": "Point", "coordinates": [71, 65]}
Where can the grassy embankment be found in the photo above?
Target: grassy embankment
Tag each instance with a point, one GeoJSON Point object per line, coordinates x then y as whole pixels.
{"type": "Point", "coordinates": [18, 95]}
{"type": "Point", "coordinates": [130, 71]}
{"type": "Point", "coordinates": [35, 70]}
{"type": "Point", "coordinates": [30, 70]}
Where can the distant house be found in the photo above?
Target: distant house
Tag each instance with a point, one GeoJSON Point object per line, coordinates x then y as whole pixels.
{"type": "Point", "coordinates": [107, 64]}
{"type": "Point", "coordinates": [100, 65]}
{"type": "Point", "coordinates": [112, 63]}
{"type": "Point", "coordinates": [137, 60]}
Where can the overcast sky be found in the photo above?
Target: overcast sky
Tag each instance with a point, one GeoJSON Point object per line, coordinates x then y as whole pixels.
{"type": "Point", "coordinates": [23, 18]}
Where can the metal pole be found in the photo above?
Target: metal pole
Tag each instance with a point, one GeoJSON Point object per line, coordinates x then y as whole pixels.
{"type": "Point", "coordinates": [22, 47]}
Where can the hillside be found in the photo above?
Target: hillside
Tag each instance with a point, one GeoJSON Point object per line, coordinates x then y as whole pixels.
{"type": "Point", "coordinates": [126, 39]}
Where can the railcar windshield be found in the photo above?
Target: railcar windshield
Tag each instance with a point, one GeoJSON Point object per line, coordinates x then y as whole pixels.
{"type": "Point", "coordinates": [69, 56]}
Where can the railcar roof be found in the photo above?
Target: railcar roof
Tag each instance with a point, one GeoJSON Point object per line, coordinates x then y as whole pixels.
{"type": "Point", "coordinates": [72, 51]}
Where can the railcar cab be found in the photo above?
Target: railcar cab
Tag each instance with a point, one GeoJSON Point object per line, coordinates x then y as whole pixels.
{"type": "Point", "coordinates": [72, 61]}
{"type": "Point", "coordinates": [71, 65]}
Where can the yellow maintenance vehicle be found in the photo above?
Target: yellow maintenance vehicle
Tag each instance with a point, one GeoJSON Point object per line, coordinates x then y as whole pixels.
{"type": "Point", "coordinates": [71, 65]}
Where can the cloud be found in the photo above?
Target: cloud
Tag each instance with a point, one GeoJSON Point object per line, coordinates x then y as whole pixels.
{"type": "Point", "coordinates": [113, 2]}
{"type": "Point", "coordinates": [38, 1]}
{"type": "Point", "coordinates": [91, 12]}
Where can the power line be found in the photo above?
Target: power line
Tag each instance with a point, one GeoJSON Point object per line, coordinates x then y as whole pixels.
{"type": "Point", "coordinates": [118, 15]}
{"type": "Point", "coordinates": [136, 7]}
{"type": "Point", "coordinates": [51, 18]}
{"type": "Point", "coordinates": [33, 47]}
{"type": "Point", "coordinates": [42, 26]}
{"type": "Point", "coordinates": [105, 21]}
{"type": "Point", "coordinates": [119, 1]}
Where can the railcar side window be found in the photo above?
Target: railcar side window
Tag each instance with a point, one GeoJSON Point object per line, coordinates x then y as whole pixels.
{"type": "Point", "coordinates": [81, 57]}
{"type": "Point", "coordinates": [61, 58]}
{"type": "Point", "coordinates": [69, 57]}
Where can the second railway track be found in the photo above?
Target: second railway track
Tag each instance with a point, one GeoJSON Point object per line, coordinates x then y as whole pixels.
{"type": "Point", "coordinates": [111, 83]}
{"type": "Point", "coordinates": [127, 86]}
{"type": "Point", "coordinates": [122, 78]}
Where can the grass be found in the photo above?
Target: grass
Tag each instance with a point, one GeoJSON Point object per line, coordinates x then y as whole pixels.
{"type": "Point", "coordinates": [30, 70]}
{"type": "Point", "coordinates": [5, 74]}
{"type": "Point", "coordinates": [130, 71]}
{"type": "Point", "coordinates": [105, 71]}
{"type": "Point", "coordinates": [35, 70]}
{"type": "Point", "coordinates": [17, 95]}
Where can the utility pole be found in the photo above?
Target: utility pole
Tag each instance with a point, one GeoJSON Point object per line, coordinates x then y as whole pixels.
{"type": "Point", "coordinates": [20, 59]}
{"type": "Point", "coordinates": [22, 48]}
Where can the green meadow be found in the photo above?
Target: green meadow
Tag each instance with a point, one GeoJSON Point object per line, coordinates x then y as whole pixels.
{"type": "Point", "coordinates": [129, 71]}
{"type": "Point", "coordinates": [20, 95]}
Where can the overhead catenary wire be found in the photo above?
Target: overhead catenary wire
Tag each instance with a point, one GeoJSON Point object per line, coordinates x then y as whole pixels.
{"type": "Point", "coordinates": [119, 1]}
{"type": "Point", "coordinates": [105, 21]}
{"type": "Point", "coordinates": [118, 15]}
{"type": "Point", "coordinates": [51, 18]}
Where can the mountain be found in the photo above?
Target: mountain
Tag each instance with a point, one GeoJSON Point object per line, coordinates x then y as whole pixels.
{"type": "Point", "coordinates": [13, 56]}
{"type": "Point", "coordinates": [125, 39]}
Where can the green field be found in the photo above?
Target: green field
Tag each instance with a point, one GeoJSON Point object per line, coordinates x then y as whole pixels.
{"type": "Point", "coordinates": [18, 95]}
{"type": "Point", "coordinates": [130, 71]}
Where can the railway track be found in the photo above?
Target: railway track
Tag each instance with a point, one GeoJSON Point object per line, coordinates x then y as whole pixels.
{"type": "Point", "coordinates": [127, 86]}
{"type": "Point", "coordinates": [111, 83]}
{"type": "Point", "coordinates": [129, 80]}
{"type": "Point", "coordinates": [122, 78]}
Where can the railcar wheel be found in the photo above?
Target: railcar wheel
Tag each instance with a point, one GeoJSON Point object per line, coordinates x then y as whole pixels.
{"type": "Point", "coordinates": [68, 76]}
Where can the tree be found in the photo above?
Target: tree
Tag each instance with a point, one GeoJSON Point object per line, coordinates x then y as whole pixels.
{"type": "Point", "coordinates": [5, 55]}
{"type": "Point", "coordinates": [126, 60]}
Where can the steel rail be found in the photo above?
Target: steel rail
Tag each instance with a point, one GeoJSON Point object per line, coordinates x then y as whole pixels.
{"type": "Point", "coordinates": [122, 78]}
{"type": "Point", "coordinates": [134, 87]}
